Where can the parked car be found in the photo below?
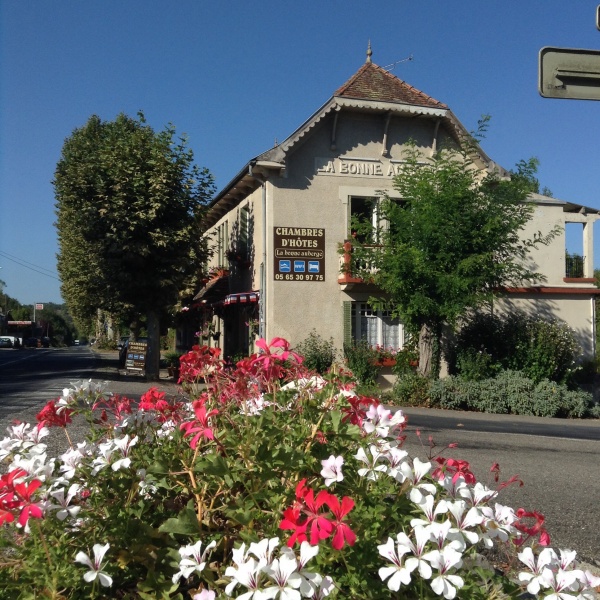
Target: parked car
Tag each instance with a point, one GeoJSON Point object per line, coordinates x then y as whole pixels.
{"type": "Point", "coordinates": [15, 340]}
{"type": "Point", "coordinates": [5, 342]}
{"type": "Point", "coordinates": [32, 342]}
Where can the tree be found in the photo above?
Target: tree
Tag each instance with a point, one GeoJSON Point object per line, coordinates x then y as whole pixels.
{"type": "Point", "coordinates": [448, 244]}
{"type": "Point", "coordinates": [129, 202]}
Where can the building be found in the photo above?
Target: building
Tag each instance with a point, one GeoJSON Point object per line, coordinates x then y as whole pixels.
{"type": "Point", "coordinates": [279, 227]}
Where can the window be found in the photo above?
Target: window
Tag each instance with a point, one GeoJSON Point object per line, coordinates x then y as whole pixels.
{"type": "Point", "coordinates": [377, 327]}
{"type": "Point", "coordinates": [366, 211]}
{"type": "Point", "coordinates": [222, 243]}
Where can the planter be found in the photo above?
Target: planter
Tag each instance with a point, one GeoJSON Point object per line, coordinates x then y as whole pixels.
{"type": "Point", "coordinates": [385, 362]}
{"type": "Point", "coordinates": [173, 372]}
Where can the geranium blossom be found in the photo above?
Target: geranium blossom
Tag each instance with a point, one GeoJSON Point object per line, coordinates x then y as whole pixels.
{"type": "Point", "coordinates": [95, 565]}
{"type": "Point", "coordinates": [444, 560]}
{"type": "Point", "coordinates": [193, 559]}
{"type": "Point", "coordinates": [398, 574]}
{"type": "Point", "coordinates": [332, 469]}
{"type": "Point", "coordinates": [64, 507]}
{"type": "Point", "coordinates": [242, 473]}
{"type": "Point", "coordinates": [372, 469]}
{"type": "Point", "coordinates": [201, 426]}
{"type": "Point", "coordinates": [380, 420]}
{"type": "Point", "coordinates": [540, 574]}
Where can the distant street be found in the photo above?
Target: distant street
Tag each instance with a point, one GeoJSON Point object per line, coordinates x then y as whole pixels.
{"type": "Point", "coordinates": [558, 460]}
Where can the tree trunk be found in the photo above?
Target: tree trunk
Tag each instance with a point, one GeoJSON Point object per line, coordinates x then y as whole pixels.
{"type": "Point", "coordinates": [153, 352]}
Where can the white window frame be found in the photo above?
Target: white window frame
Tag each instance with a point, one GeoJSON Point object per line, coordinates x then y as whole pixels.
{"type": "Point", "coordinates": [377, 327]}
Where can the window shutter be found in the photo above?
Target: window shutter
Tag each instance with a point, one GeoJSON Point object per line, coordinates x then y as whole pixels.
{"type": "Point", "coordinates": [347, 308]}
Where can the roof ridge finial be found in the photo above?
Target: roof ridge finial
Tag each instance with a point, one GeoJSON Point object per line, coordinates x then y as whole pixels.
{"type": "Point", "coordinates": [369, 52]}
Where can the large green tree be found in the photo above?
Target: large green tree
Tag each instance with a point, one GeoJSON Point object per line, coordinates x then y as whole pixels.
{"type": "Point", "coordinates": [449, 243]}
{"type": "Point", "coordinates": [129, 201]}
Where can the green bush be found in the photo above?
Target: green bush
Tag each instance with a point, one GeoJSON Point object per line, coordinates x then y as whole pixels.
{"type": "Point", "coordinates": [411, 389]}
{"type": "Point", "coordinates": [319, 354]}
{"type": "Point", "coordinates": [540, 348]}
{"type": "Point", "coordinates": [512, 392]}
{"type": "Point", "coordinates": [361, 361]}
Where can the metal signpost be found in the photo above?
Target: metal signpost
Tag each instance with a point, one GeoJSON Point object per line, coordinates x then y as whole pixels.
{"type": "Point", "coordinates": [570, 73]}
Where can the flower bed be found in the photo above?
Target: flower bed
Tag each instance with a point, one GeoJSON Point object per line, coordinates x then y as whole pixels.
{"type": "Point", "coordinates": [269, 482]}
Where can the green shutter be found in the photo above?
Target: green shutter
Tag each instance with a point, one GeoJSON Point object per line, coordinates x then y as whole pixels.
{"type": "Point", "coordinates": [347, 308]}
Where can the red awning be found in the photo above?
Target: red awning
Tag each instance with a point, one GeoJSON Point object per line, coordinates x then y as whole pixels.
{"type": "Point", "coordinates": [243, 298]}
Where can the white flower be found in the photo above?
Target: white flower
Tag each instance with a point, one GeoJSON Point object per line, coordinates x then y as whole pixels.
{"type": "Point", "coordinates": [204, 595]}
{"type": "Point", "coordinates": [465, 521]}
{"type": "Point", "coordinates": [372, 471]}
{"type": "Point", "coordinates": [417, 548]}
{"type": "Point", "coordinates": [124, 444]}
{"type": "Point", "coordinates": [377, 419]}
{"type": "Point", "coordinates": [102, 461]}
{"type": "Point", "coordinates": [541, 575]}
{"type": "Point", "coordinates": [443, 560]}
{"type": "Point", "coordinates": [263, 550]}
{"type": "Point", "coordinates": [95, 565]}
{"type": "Point", "coordinates": [397, 574]}
{"type": "Point", "coordinates": [430, 511]}
{"type": "Point", "coordinates": [282, 571]}
{"type": "Point", "coordinates": [332, 469]}
{"type": "Point", "coordinates": [63, 507]}
{"type": "Point", "coordinates": [246, 574]}
{"type": "Point", "coordinates": [193, 559]}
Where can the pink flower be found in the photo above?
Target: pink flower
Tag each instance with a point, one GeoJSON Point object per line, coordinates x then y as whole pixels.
{"type": "Point", "coordinates": [201, 426]}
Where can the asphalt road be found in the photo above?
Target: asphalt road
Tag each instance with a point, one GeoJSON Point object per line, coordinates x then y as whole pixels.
{"type": "Point", "coordinates": [557, 460]}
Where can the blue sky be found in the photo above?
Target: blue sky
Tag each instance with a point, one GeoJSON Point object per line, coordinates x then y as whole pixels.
{"type": "Point", "coordinates": [235, 76]}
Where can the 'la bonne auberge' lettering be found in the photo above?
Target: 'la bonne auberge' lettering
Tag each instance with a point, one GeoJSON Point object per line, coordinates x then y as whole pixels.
{"type": "Point", "coordinates": [349, 167]}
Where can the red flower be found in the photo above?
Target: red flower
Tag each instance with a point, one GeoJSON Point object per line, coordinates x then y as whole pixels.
{"type": "Point", "coordinates": [342, 532]}
{"type": "Point", "coordinates": [456, 468]}
{"type": "Point", "coordinates": [356, 412]}
{"type": "Point", "coordinates": [271, 364]}
{"type": "Point", "coordinates": [52, 415]}
{"type": "Point", "coordinates": [24, 491]}
{"type": "Point", "coordinates": [291, 520]}
{"type": "Point", "coordinates": [18, 496]}
{"type": "Point", "coordinates": [531, 530]}
{"type": "Point", "coordinates": [307, 515]}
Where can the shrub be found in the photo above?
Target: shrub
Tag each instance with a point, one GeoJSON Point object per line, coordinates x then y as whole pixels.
{"type": "Point", "coordinates": [411, 389]}
{"type": "Point", "coordinates": [540, 348]}
{"type": "Point", "coordinates": [362, 361]}
{"type": "Point", "coordinates": [511, 392]}
{"type": "Point", "coordinates": [319, 354]}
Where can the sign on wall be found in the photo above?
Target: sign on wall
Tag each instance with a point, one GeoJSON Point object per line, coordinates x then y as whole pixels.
{"type": "Point", "coordinates": [299, 253]}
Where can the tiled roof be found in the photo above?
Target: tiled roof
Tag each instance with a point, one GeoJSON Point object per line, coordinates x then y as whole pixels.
{"type": "Point", "coordinates": [372, 82]}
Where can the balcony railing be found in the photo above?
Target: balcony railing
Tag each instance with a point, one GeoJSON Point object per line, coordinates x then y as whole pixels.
{"type": "Point", "coordinates": [351, 267]}
{"type": "Point", "coordinates": [574, 266]}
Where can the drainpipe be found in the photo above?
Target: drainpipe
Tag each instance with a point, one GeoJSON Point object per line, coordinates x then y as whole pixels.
{"type": "Point", "coordinates": [262, 313]}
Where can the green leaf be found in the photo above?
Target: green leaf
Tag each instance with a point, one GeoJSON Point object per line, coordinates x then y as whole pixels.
{"type": "Point", "coordinates": [186, 523]}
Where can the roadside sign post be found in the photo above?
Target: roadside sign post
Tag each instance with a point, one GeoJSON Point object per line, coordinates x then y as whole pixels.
{"type": "Point", "coordinates": [136, 356]}
{"type": "Point", "coordinates": [569, 73]}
